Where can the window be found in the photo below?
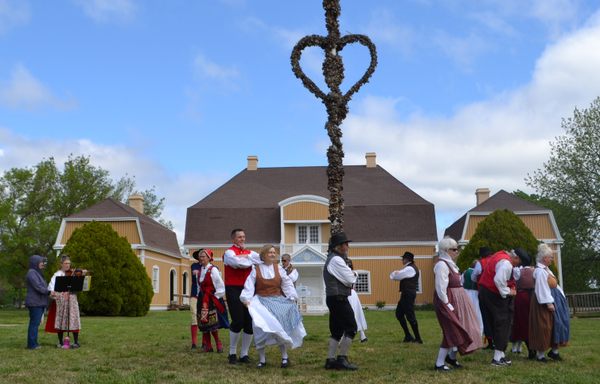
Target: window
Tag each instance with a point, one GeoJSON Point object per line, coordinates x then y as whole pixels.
{"type": "Point", "coordinates": [155, 279]}
{"type": "Point", "coordinates": [363, 282]}
{"type": "Point", "coordinates": [309, 234]}
{"type": "Point", "coordinates": [185, 283]}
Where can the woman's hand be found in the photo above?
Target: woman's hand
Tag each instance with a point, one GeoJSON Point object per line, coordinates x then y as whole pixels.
{"type": "Point", "coordinates": [551, 307]}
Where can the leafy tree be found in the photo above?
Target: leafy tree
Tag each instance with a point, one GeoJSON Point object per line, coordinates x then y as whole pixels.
{"type": "Point", "coordinates": [502, 229]}
{"type": "Point", "coordinates": [572, 174]}
{"type": "Point", "coordinates": [120, 284]}
{"type": "Point", "coordinates": [33, 200]}
{"type": "Point", "coordinates": [580, 262]}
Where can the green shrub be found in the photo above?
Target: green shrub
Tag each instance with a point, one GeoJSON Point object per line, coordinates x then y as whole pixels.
{"type": "Point", "coordinates": [502, 230]}
{"type": "Point", "coordinates": [380, 304]}
{"type": "Point", "coordinates": [120, 285]}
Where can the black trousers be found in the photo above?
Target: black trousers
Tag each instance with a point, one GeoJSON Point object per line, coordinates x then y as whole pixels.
{"type": "Point", "coordinates": [240, 317]}
{"type": "Point", "coordinates": [341, 317]}
{"type": "Point", "coordinates": [499, 313]}
{"type": "Point", "coordinates": [406, 308]}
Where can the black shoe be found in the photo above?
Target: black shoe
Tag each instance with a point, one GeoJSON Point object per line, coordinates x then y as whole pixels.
{"type": "Point", "coordinates": [244, 359]}
{"type": "Point", "coordinates": [408, 339]}
{"type": "Point", "coordinates": [343, 363]}
{"type": "Point", "coordinates": [331, 364]}
{"type": "Point", "coordinates": [232, 359]}
{"type": "Point", "coordinates": [364, 340]}
{"type": "Point", "coordinates": [531, 354]}
{"type": "Point", "coordinates": [554, 356]}
{"type": "Point", "coordinates": [499, 363]}
{"type": "Point", "coordinates": [194, 346]}
{"type": "Point", "coordinates": [417, 341]}
{"type": "Point", "coordinates": [506, 361]}
{"type": "Point", "coordinates": [285, 363]}
{"type": "Point", "coordinates": [261, 365]}
{"type": "Point", "coordinates": [541, 360]}
{"type": "Point", "coordinates": [442, 368]}
{"type": "Point", "coordinates": [453, 362]}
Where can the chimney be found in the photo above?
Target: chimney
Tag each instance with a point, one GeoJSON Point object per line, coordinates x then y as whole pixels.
{"type": "Point", "coordinates": [136, 201]}
{"type": "Point", "coordinates": [252, 163]}
{"type": "Point", "coordinates": [371, 159]}
{"type": "Point", "coordinates": [482, 194]}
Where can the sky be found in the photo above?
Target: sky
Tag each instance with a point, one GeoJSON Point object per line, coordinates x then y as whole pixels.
{"type": "Point", "coordinates": [467, 94]}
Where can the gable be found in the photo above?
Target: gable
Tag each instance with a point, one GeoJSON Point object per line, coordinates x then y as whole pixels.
{"type": "Point", "coordinates": [308, 255]}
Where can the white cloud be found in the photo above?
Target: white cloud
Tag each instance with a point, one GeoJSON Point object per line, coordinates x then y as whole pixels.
{"type": "Point", "coordinates": [12, 14]}
{"type": "Point", "coordinates": [180, 190]}
{"type": "Point", "coordinates": [383, 28]}
{"type": "Point", "coordinates": [108, 10]}
{"type": "Point", "coordinates": [464, 50]}
{"type": "Point", "coordinates": [493, 143]}
{"type": "Point", "coordinates": [23, 90]}
{"type": "Point", "coordinates": [206, 68]}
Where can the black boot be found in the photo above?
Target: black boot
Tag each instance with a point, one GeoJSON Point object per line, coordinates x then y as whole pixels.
{"type": "Point", "coordinates": [415, 328]}
{"type": "Point", "coordinates": [343, 363]}
{"type": "Point", "coordinates": [331, 364]}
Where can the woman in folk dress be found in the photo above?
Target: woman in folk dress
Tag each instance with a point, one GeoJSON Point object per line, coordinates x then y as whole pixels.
{"type": "Point", "coordinates": [271, 299]}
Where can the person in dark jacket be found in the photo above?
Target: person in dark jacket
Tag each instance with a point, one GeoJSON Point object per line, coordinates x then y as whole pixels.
{"type": "Point", "coordinates": [36, 299]}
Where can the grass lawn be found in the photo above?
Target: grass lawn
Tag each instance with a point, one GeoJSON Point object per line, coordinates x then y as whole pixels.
{"type": "Point", "coordinates": [156, 349]}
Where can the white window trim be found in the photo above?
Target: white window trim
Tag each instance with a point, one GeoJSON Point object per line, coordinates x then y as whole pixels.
{"type": "Point", "coordinates": [185, 282]}
{"type": "Point", "coordinates": [156, 287]}
{"type": "Point", "coordinates": [368, 273]}
{"type": "Point", "coordinates": [175, 280]}
{"type": "Point", "coordinates": [308, 225]}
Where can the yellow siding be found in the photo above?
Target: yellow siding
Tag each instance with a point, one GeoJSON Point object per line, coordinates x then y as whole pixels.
{"type": "Point", "coordinates": [289, 233]}
{"type": "Point", "coordinates": [540, 225]}
{"type": "Point", "coordinates": [165, 264]}
{"type": "Point", "coordinates": [391, 251]}
{"type": "Point", "coordinates": [384, 289]}
{"type": "Point", "coordinates": [306, 211]}
{"type": "Point", "coordinates": [325, 232]}
{"type": "Point", "coordinates": [127, 229]}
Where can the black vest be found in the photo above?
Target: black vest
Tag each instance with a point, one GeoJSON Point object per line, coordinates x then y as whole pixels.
{"type": "Point", "coordinates": [333, 287]}
{"type": "Point", "coordinates": [410, 285]}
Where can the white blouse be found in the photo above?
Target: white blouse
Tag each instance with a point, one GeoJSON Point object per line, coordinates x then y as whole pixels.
{"type": "Point", "coordinates": [268, 272]}
{"type": "Point", "coordinates": [216, 279]}
{"type": "Point", "coordinates": [542, 289]}
{"type": "Point", "coordinates": [441, 271]}
{"type": "Point", "coordinates": [59, 273]}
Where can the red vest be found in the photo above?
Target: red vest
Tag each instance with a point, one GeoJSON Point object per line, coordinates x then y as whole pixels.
{"type": "Point", "coordinates": [236, 276]}
{"type": "Point", "coordinates": [489, 271]}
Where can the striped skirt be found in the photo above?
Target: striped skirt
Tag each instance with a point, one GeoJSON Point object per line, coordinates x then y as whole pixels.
{"type": "Point", "coordinates": [561, 328]}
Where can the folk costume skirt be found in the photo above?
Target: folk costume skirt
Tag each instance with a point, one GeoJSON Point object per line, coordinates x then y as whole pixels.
{"type": "Point", "coordinates": [359, 315]}
{"type": "Point", "coordinates": [561, 326]}
{"type": "Point", "coordinates": [460, 328]}
{"type": "Point", "coordinates": [63, 314]}
{"type": "Point", "coordinates": [540, 325]}
{"type": "Point", "coordinates": [520, 327]}
{"type": "Point", "coordinates": [276, 320]}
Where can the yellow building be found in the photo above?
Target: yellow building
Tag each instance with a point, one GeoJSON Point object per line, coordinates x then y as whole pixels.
{"type": "Point", "coordinates": [288, 207]}
{"type": "Point", "coordinates": [155, 245]}
{"type": "Point", "coordinates": [539, 220]}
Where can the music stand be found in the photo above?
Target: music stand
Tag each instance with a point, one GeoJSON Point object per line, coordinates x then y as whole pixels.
{"type": "Point", "coordinates": [70, 284]}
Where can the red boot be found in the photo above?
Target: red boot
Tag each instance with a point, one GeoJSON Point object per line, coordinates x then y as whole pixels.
{"type": "Point", "coordinates": [206, 342]}
{"type": "Point", "coordinates": [217, 341]}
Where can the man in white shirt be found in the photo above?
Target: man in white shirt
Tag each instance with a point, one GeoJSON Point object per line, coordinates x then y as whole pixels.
{"type": "Point", "coordinates": [339, 279]}
{"type": "Point", "coordinates": [405, 310]}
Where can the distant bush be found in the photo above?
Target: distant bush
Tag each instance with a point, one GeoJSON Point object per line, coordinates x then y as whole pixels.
{"type": "Point", "coordinates": [501, 230]}
{"type": "Point", "coordinates": [380, 304]}
{"type": "Point", "coordinates": [120, 285]}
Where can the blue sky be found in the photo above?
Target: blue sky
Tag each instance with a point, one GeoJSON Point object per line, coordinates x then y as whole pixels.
{"type": "Point", "coordinates": [467, 94]}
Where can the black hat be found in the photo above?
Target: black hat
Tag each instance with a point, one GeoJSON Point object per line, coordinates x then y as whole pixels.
{"type": "Point", "coordinates": [409, 256]}
{"type": "Point", "coordinates": [337, 239]}
{"type": "Point", "coordinates": [196, 254]}
{"type": "Point", "coordinates": [485, 252]}
{"type": "Point", "coordinates": [525, 259]}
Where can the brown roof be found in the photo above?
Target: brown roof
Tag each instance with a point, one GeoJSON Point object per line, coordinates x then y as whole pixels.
{"type": "Point", "coordinates": [501, 200]}
{"type": "Point", "coordinates": [378, 207]}
{"type": "Point", "coordinates": [154, 234]}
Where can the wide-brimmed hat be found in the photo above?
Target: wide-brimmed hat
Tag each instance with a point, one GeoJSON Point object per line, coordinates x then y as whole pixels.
{"type": "Point", "coordinates": [525, 259]}
{"type": "Point", "coordinates": [485, 252]}
{"type": "Point", "coordinates": [337, 239]}
{"type": "Point", "coordinates": [409, 256]}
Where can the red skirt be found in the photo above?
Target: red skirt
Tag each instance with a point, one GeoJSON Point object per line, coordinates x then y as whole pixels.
{"type": "Point", "coordinates": [520, 328]}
